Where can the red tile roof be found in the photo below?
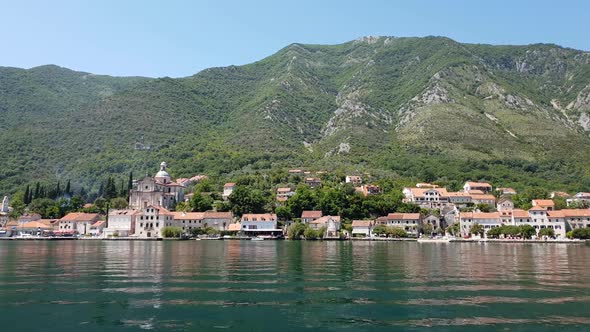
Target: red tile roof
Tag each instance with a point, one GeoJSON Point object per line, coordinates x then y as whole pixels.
{"type": "Point", "coordinates": [311, 214]}
{"type": "Point", "coordinates": [80, 217]}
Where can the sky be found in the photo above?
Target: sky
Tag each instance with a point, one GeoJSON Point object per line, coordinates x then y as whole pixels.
{"type": "Point", "coordinates": [179, 38]}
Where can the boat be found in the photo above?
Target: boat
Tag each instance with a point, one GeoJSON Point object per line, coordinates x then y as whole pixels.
{"type": "Point", "coordinates": [434, 240]}
{"type": "Point", "coordinates": [257, 238]}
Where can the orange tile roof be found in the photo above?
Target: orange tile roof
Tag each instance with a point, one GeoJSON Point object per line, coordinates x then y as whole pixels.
{"type": "Point", "coordinates": [325, 219]}
{"type": "Point", "coordinates": [80, 217]}
{"type": "Point", "coordinates": [179, 215]}
{"type": "Point", "coordinates": [518, 213]}
{"type": "Point", "coordinates": [403, 216]}
{"type": "Point", "coordinates": [543, 202]}
{"type": "Point", "coordinates": [538, 208]}
{"type": "Point", "coordinates": [478, 184]}
{"type": "Point", "coordinates": [419, 192]}
{"type": "Point", "coordinates": [284, 190]}
{"type": "Point", "coordinates": [311, 214]}
{"type": "Point", "coordinates": [229, 184]}
{"type": "Point", "coordinates": [483, 197]}
{"type": "Point", "coordinates": [34, 224]}
{"type": "Point", "coordinates": [556, 214]}
{"type": "Point", "coordinates": [97, 224]}
{"type": "Point", "coordinates": [362, 223]}
{"type": "Point", "coordinates": [218, 215]}
{"type": "Point", "coordinates": [576, 212]}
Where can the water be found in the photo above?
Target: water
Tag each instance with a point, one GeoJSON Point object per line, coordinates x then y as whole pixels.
{"type": "Point", "coordinates": [289, 286]}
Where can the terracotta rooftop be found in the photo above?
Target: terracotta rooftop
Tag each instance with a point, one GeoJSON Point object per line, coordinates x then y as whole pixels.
{"type": "Point", "coordinates": [80, 217]}
{"type": "Point", "coordinates": [362, 223]}
{"type": "Point", "coordinates": [403, 216]}
{"type": "Point", "coordinates": [311, 214]}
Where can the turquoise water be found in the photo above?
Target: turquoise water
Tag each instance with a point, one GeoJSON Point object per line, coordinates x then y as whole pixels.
{"type": "Point", "coordinates": [290, 286]}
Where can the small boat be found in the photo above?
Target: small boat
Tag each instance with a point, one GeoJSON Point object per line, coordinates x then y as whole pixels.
{"type": "Point", "coordinates": [256, 238]}
{"type": "Point", "coordinates": [434, 240]}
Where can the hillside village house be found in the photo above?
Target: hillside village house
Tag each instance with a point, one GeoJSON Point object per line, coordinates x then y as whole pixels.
{"type": "Point", "coordinates": [313, 182]}
{"type": "Point", "coordinates": [423, 185]}
{"type": "Point", "coordinates": [28, 217]}
{"type": "Point", "coordinates": [120, 223]}
{"type": "Point", "coordinates": [428, 197]}
{"type": "Point", "coordinates": [150, 221]}
{"type": "Point", "coordinates": [484, 199]}
{"type": "Point", "coordinates": [362, 228]}
{"type": "Point", "coordinates": [309, 216]}
{"type": "Point", "coordinates": [483, 186]}
{"type": "Point", "coordinates": [505, 204]}
{"type": "Point", "coordinates": [548, 204]}
{"type": "Point", "coordinates": [579, 198]}
{"type": "Point", "coordinates": [354, 179]}
{"type": "Point", "coordinates": [188, 221]}
{"type": "Point", "coordinates": [488, 220]}
{"type": "Point", "coordinates": [506, 191]}
{"type": "Point", "coordinates": [36, 228]}
{"type": "Point", "coordinates": [159, 190]}
{"type": "Point", "coordinates": [331, 223]}
{"type": "Point", "coordinates": [283, 194]}
{"type": "Point", "coordinates": [97, 228]}
{"type": "Point", "coordinates": [409, 222]}
{"type": "Point", "coordinates": [77, 222]}
{"type": "Point", "coordinates": [295, 172]}
{"type": "Point", "coordinates": [368, 189]}
{"type": "Point", "coordinates": [576, 218]}
{"type": "Point", "coordinates": [217, 220]}
{"type": "Point", "coordinates": [260, 224]}
{"type": "Point", "coordinates": [228, 188]}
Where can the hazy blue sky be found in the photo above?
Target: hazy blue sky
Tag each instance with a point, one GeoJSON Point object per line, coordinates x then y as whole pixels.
{"type": "Point", "coordinates": [179, 38]}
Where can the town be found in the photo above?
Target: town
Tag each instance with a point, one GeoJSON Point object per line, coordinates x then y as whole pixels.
{"type": "Point", "coordinates": [159, 207]}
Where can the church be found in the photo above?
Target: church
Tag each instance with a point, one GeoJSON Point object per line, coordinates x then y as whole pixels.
{"type": "Point", "coordinates": [159, 190]}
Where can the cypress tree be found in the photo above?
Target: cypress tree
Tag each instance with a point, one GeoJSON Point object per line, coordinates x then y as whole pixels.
{"type": "Point", "coordinates": [68, 189]}
{"type": "Point", "coordinates": [37, 190]}
{"type": "Point", "coordinates": [130, 182]}
{"type": "Point", "coordinates": [26, 197]}
{"type": "Point", "coordinates": [101, 190]}
{"type": "Point", "coordinates": [57, 190]}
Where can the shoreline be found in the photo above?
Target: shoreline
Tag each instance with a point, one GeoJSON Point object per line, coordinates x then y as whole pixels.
{"type": "Point", "coordinates": [576, 241]}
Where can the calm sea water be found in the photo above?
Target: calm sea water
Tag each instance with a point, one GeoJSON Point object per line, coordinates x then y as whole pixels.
{"type": "Point", "coordinates": [288, 286]}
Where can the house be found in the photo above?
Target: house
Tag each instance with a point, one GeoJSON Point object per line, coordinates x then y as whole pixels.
{"type": "Point", "coordinates": [217, 220]}
{"type": "Point", "coordinates": [313, 182]}
{"type": "Point", "coordinates": [548, 204]}
{"type": "Point", "coordinates": [581, 198]}
{"type": "Point", "coordinates": [120, 223]}
{"type": "Point", "coordinates": [488, 220]}
{"type": "Point", "coordinates": [283, 194]}
{"type": "Point", "coordinates": [53, 224]}
{"type": "Point", "coordinates": [483, 186]}
{"type": "Point", "coordinates": [150, 221]}
{"type": "Point", "coordinates": [362, 227]}
{"type": "Point", "coordinates": [295, 172]}
{"type": "Point", "coordinates": [309, 216]}
{"type": "Point", "coordinates": [159, 190]}
{"type": "Point", "coordinates": [97, 228]}
{"type": "Point", "coordinates": [77, 222]}
{"type": "Point", "coordinates": [408, 221]}
{"type": "Point", "coordinates": [484, 199]}
{"type": "Point", "coordinates": [427, 197]}
{"type": "Point", "coordinates": [331, 224]}
{"type": "Point", "coordinates": [354, 179]}
{"type": "Point", "coordinates": [576, 218]}
{"type": "Point", "coordinates": [368, 189]}
{"type": "Point", "coordinates": [260, 224]}
{"type": "Point", "coordinates": [433, 220]}
{"type": "Point", "coordinates": [34, 228]}
{"type": "Point", "coordinates": [505, 204]}
{"type": "Point", "coordinates": [188, 221]}
{"type": "Point", "coordinates": [506, 191]}
{"type": "Point", "coordinates": [540, 217]}
{"type": "Point", "coordinates": [460, 199]}
{"type": "Point", "coordinates": [234, 228]}
{"type": "Point", "coordinates": [561, 194]}
{"type": "Point", "coordinates": [228, 188]}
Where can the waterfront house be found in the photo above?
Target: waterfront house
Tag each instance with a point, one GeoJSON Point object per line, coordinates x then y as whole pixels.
{"type": "Point", "coordinates": [260, 224]}
{"type": "Point", "coordinates": [540, 217]}
{"type": "Point", "coordinates": [362, 227]}
{"type": "Point", "coordinates": [150, 221]}
{"type": "Point", "coordinates": [409, 222]}
{"type": "Point", "coordinates": [234, 228]}
{"type": "Point", "coordinates": [354, 179]}
{"type": "Point", "coordinates": [483, 186]}
{"type": "Point", "coordinates": [488, 220]}
{"type": "Point", "coordinates": [548, 204]}
{"type": "Point", "coordinates": [433, 220]}
{"type": "Point", "coordinates": [217, 220]}
{"type": "Point", "coordinates": [77, 222]}
{"type": "Point", "coordinates": [576, 218]}
{"type": "Point", "coordinates": [330, 223]}
{"type": "Point", "coordinates": [34, 228]}
{"type": "Point", "coordinates": [309, 216]}
{"type": "Point", "coordinates": [427, 197]}
{"type": "Point", "coordinates": [313, 182]}
{"type": "Point", "coordinates": [188, 221]}
{"type": "Point", "coordinates": [460, 199]}
{"type": "Point", "coordinates": [120, 223]}
{"type": "Point", "coordinates": [97, 228]}
{"type": "Point", "coordinates": [228, 188]}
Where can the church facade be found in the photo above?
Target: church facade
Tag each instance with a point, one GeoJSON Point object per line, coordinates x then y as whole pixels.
{"type": "Point", "coordinates": [159, 190]}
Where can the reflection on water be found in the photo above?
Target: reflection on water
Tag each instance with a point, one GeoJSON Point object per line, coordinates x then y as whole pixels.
{"type": "Point", "coordinates": [266, 285]}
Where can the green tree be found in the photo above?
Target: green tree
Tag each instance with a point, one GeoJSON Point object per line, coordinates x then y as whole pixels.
{"type": "Point", "coordinates": [296, 230]}
{"type": "Point", "coordinates": [527, 231]}
{"type": "Point", "coordinates": [548, 232]}
{"type": "Point", "coordinates": [171, 232]}
{"type": "Point", "coordinates": [283, 213]}
{"type": "Point", "coordinates": [396, 232]}
{"type": "Point", "coordinates": [118, 203]}
{"type": "Point", "coordinates": [310, 234]}
{"type": "Point", "coordinates": [246, 200]}
{"type": "Point", "coordinates": [380, 230]}
{"type": "Point", "coordinates": [201, 203]}
{"type": "Point", "coordinates": [477, 229]}
{"type": "Point", "coordinates": [454, 229]}
{"type": "Point", "coordinates": [581, 233]}
{"type": "Point", "coordinates": [494, 232]}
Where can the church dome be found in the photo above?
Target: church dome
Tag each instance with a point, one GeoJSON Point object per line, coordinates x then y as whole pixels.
{"type": "Point", "coordinates": [162, 175]}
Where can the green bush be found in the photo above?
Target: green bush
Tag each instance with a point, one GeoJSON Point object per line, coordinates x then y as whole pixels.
{"type": "Point", "coordinates": [171, 232]}
{"type": "Point", "coordinates": [581, 233]}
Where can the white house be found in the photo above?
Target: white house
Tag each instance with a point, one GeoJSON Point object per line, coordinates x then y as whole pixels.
{"type": "Point", "coordinates": [579, 198]}
{"type": "Point", "coordinates": [409, 222]}
{"type": "Point", "coordinates": [77, 222]}
{"type": "Point", "coordinates": [260, 224]}
{"type": "Point", "coordinates": [483, 186]}
{"type": "Point", "coordinates": [488, 220]}
{"type": "Point", "coordinates": [150, 221]}
{"type": "Point", "coordinates": [228, 188]}
{"type": "Point", "coordinates": [309, 216]}
{"type": "Point", "coordinates": [354, 179]}
{"type": "Point", "coordinates": [331, 223]}
{"type": "Point", "coordinates": [120, 223]}
{"type": "Point", "coordinates": [283, 194]}
{"type": "Point", "coordinates": [362, 227]}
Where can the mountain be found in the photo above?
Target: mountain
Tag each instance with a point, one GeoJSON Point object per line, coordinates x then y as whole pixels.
{"type": "Point", "coordinates": [414, 108]}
